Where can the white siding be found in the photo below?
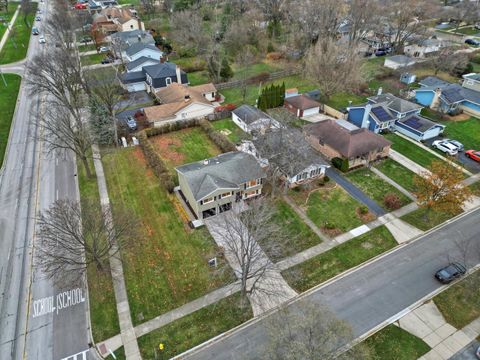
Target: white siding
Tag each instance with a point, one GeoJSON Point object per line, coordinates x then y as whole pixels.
{"type": "Point", "coordinates": [153, 54]}
{"type": "Point", "coordinates": [431, 133]}
{"type": "Point", "coordinates": [135, 87]}
{"type": "Point", "coordinates": [312, 111]}
{"type": "Point", "coordinates": [239, 123]}
{"type": "Point", "coordinates": [195, 110]}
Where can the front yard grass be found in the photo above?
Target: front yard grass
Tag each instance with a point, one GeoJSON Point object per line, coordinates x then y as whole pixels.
{"type": "Point", "coordinates": [235, 95]}
{"type": "Point", "coordinates": [339, 259]}
{"type": "Point", "coordinates": [342, 100]}
{"type": "Point", "coordinates": [7, 16]}
{"type": "Point", "coordinates": [166, 266]}
{"type": "Point", "coordinates": [411, 151]}
{"type": "Point", "coordinates": [15, 48]}
{"type": "Point", "coordinates": [299, 235]}
{"type": "Point", "coordinates": [460, 304]}
{"type": "Point", "coordinates": [332, 209]}
{"type": "Point", "coordinates": [91, 59]}
{"type": "Point", "coordinates": [392, 342]}
{"type": "Point", "coordinates": [467, 30]}
{"type": "Point", "coordinates": [8, 101]}
{"type": "Point", "coordinates": [376, 188]}
{"type": "Point", "coordinates": [475, 188]}
{"type": "Point", "coordinates": [194, 329]}
{"type": "Point", "coordinates": [236, 134]}
{"type": "Point", "coordinates": [103, 307]}
{"type": "Point", "coordinates": [184, 146]}
{"type": "Point", "coordinates": [398, 173]}
{"type": "Point", "coordinates": [425, 220]}
{"type": "Point", "coordinates": [465, 131]}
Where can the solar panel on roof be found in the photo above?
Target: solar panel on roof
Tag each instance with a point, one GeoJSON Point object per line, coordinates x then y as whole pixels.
{"type": "Point", "coordinates": [381, 114]}
{"type": "Point", "coordinates": [413, 122]}
{"type": "Point", "coordinates": [452, 95]}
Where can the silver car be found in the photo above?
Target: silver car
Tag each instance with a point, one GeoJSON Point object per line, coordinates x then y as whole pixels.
{"type": "Point", "coordinates": [456, 143]}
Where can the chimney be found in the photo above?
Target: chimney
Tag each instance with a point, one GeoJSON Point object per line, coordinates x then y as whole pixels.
{"type": "Point", "coordinates": [139, 37]}
{"type": "Point", "coordinates": [380, 90]}
{"type": "Point", "coordinates": [162, 59]}
{"type": "Point", "coordinates": [436, 99]}
{"type": "Point", "coordinates": [365, 121]}
{"type": "Point", "coordinates": [187, 97]}
{"type": "Point", "coordinates": [179, 74]}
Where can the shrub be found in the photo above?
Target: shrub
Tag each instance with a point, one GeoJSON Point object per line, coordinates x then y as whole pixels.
{"type": "Point", "coordinates": [274, 55]}
{"type": "Point", "coordinates": [341, 164]}
{"type": "Point", "coordinates": [223, 143]}
{"type": "Point", "coordinates": [326, 179]}
{"type": "Point", "coordinates": [363, 209]}
{"type": "Point", "coordinates": [195, 65]}
{"type": "Point", "coordinates": [169, 127]}
{"type": "Point", "coordinates": [270, 48]}
{"type": "Point", "coordinates": [392, 201]}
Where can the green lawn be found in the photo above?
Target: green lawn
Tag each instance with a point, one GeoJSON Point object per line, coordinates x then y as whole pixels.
{"type": "Point", "coordinates": [342, 100]}
{"type": "Point", "coordinates": [103, 308]}
{"type": "Point", "coordinates": [398, 173]}
{"type": "Point", "coordinates": [119, 355]}
{"type": "Point", "coordinates": [425, 220]}
{"type": "Point", "coordinates": [87, 47]}
{"type": "Point", "coordinates": [376, 188]}
{"type": "Point", "coordinates": [460, 304]}
{"type": "Point", "coordinates": [467, 132]}
{"type": "Point", "coordinates": [299, 235]}
{"type": "Point", "coordinates": [395, 343]}
{"type": "Point", "coordinates": [411, 151]}
{"type": "Point", "coordinates": [91, 59]}
{"type": "Point", "coordinates": [166, 266]}
{"type": "Point", "coordinates": [339, 259]}
{"type": "Point", "coordinates": [8, 101]}
{"type": "Point", "coordinates": [198, 77]}
{"type": "Point", "coordinates": [234, 95]}
{"type": "Point", "coordinates": [7, 16]}
{"type": "Point", "coordinates": [236, 134]}
{"type": "Point", "coordinates": [252, 70]}
{"type": "Point", "coordinates": [184, 146]}
{"type": "Point", "coordinates": [194, 329]}
{"type": "Point", "coordinates": [332, 209]}
{"type": "Point", "coordinates": [15, 49]}
{"type": "Point", "coordinates": [475, 188]}
{"type": "Point", "coordinates": [467, 30]}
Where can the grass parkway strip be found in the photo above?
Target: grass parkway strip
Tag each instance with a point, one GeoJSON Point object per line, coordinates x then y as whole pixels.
{"type": "Point", "coordinates": [8, 101]}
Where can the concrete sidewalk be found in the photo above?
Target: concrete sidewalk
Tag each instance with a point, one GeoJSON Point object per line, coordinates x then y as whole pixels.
{"type": "Point", "coordinates": [127, 333]}
{"type": "Point", "coordinates": [393, 183]}
{"type": "Point", "coordinates": [409, 164]}
{"type": "Point", "coordinates": [9, 28]}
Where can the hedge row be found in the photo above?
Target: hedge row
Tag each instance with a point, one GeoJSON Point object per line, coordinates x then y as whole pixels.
{"type": "Point", "coordinates": [156, 163]}
{"type": "Point", "coordinates": [223, 143]}
{"type": "Point", "coordinates": [170, 127]}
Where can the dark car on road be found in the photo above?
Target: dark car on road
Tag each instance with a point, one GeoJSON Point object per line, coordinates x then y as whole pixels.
{"type": "Point", "coordinates": [473, 42]}
{"type": "Point", "coordinates": [107, 60]}
{"type": "Point", "coordinates": [451, 272]}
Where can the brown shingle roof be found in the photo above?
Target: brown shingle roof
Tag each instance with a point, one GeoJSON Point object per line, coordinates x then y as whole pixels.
{"type": "Point", "coordinates": [176, 92]}
{"type": "Point", "coordinates": [302, 102]}
{"type": "Point", "coordinates": [348, 143]}
{"type": "Point", "coordinates": [165, 111]}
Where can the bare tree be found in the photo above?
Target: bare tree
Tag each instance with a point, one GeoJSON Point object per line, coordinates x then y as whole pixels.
{"type": "Point", "coordinates": [465, 11]}
{"type": "Point", "coordinates": [70, 238]}
{"type": "Point", "coordinates": [449, 60]}
{"type": "Point", "coordinates": [26, 9]}
{"type": "Point", "coordinates": [273, 11]}
{"type": "Point", "coordinates": [361, 17]}
{"type": "Point", "coordinates": [332, 67]}
{"type": "Point", "coordinates": [306, 330]}
{"type": "Point", "coordinates": [241, 234]}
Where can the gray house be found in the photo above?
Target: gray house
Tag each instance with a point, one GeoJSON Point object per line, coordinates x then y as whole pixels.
{"type": "Point", "coordinates": [211, 186]}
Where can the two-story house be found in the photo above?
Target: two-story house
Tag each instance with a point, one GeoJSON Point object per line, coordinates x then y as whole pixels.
{"type": "Point", "coordinates": [212, 186]}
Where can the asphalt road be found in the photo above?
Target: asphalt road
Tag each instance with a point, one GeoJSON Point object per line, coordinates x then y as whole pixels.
{"type": "Point", "coordinates": [468, 352]}
{"type": "Point", "coordinates": [370, 295]}
{"type": "Point", "coordinates": [30, 181]}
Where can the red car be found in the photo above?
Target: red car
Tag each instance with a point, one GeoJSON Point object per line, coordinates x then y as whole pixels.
{"type": "Point", "coordinates": [472, 154]}
{"type": "Point", "coordinates": [80, 6]}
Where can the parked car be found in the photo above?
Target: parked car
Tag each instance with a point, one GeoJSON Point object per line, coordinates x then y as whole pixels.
{"type": "Point", "coordinates": [472, 42]}
{"type": "Point", "coordinates": [39, 11]}
{"type": "Point", "coordinates": [86, 39]}
{"type": "Point", "coordinates": [35, 31]}
{"type": "Point", "coordinates": [80, 6]}
{"type": "Point", "coordinates": [472, 154]}
{"type": "Point", "coordinates": [445, 147]}
{"type": "Point", "coordinates": [380, 52]}
{"type": "Point", "coordinates": [42, 40]}
{"type": "Point", "coordinates": [450, 272]}
{"type": "Point", "coordinates": [456, 143]}
{"type": "Point", "coordinates": [107, 60]}
{"type": "Point", "coordinates": [477, 26]}
{"type": "Point", "coordinates": [103, 49]}
{"type": "Point", "coordinates": [132, 124]}
{"type": "Point", "coordinates": [38, 18]}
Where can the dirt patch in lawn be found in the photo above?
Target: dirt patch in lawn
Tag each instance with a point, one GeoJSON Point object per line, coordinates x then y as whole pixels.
{"type": "Point", "coordinates": [367, 217]}
{"type": "Point", "coordinates": [460, 117]}
{"type": "Point", "coordinates": [167, 147]}
{"type": "Point", "coordinates": [140, 157]}
{"type": "Point", "coordinates": [331, 232]}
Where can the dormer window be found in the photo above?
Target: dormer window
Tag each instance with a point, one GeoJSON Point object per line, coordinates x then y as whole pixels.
{"type": "Point", "coordinates": [168, 80]}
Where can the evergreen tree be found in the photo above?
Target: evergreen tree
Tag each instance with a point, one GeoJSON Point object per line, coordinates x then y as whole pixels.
{"type": "Point", "coordinates": [101, 124]}
{"type": "Point", "coordinates": [226, 71]}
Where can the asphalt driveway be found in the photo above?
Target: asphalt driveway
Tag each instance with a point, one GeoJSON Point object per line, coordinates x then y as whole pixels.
{"type": "Point", "coordinates": [470, 165]}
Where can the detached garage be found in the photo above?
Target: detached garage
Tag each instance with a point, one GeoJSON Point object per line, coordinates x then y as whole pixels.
{"type": "Point", "coordinates": [133, 81]}
{"type": "Point", "coordinates": [302, 105]}
{"type": "Point", "coordinates": [418, 128]}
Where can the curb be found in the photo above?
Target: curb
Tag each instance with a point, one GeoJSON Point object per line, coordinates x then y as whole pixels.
{"type": "Point", "coordinates": [250, 322]}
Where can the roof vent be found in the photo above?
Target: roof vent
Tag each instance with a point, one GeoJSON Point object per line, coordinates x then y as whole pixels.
{"type": "Point", "coordinates": [187, 97]}
{"type": "Point", "coordinates": [205, 162]}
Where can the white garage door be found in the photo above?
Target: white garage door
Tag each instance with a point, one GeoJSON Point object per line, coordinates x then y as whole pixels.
{"type": "Point", "coordinates": [312, 111]}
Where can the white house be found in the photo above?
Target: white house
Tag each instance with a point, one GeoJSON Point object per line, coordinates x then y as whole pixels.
{"type": "Point", "coordinates": [425, 48]}
{"type": "Point", "coordinates": [398, 61]}
{"type": "Point", "coordinates": [249, 118]}
{"type": "Point", "coordinates": [140, 63]}
{"type": "Point", "coordinates": [139, 50]}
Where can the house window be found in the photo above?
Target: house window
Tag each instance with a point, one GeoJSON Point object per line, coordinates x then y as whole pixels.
{"type": "Point", "coordinates": [250, 194]}
{"type": "Point", "coordinates": [252, 183]}
{"type": "Point", "coordinates": [168, 81]}
{"type": "Point", "coordinates": [131, 26]}
{"type": "Point", "coordinates": [207, 201]}
{"type": "Point", "coordinates": [227, 194]}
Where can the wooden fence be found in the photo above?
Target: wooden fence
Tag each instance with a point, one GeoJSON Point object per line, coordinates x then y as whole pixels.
{"type": "Point", "coordinates": [255, 80]}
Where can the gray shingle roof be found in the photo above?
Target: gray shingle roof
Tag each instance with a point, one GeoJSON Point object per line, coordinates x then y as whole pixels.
{"type": "Point", "coordinates": [400, 59]}
{"type": "Point", "coordinates": [249, 114]}
{"type": "Point", "coordinates": [472, 76]}
{"type": "Point", "coordinates": [137, 47]}
{"type": "Point", "coordinates": [418, 123]}
{"type": "Point", "coordinates": [225, 171]}
{"type": "Point", "coordinates": [132, 77]}
{"type": "Point", "coordinates": [454, 93]}
{"type": "Point", "coordinates": [288, 150]}
{"type": "Point", "coordinates": [395, 103]}
{"type": "Point", "coordinates": [432, 81]}
{"type": "Point", "coordinates": [141, 60]}
{"type": "Point", "coordinates": [161, 70]}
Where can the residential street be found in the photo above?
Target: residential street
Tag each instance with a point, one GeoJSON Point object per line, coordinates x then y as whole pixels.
{"type": "Point", "coordinates": [38, 320]}
{"type": "Point", "coordinates": [370, 295]}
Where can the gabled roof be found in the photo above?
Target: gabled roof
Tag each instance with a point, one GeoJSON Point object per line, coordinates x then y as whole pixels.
{"type": "Point", "coordinates": [179, 93]}
{"type": "Point", "coordinates": [141, 60]}
{"type": "Point", "coordinates": [225, 171]}
{"type": "Point", "coordinates": [161, 70]}
{"type": "Point", "coordinates": [432, 81]}
{"type": "Point", "coordinates": [302, 102]}
{"type": "Point", "coordinates": [453, 93]}
{"type": "Point", "coordinates": [417, 124]}
{"type": "Point", "coordinates": [395, 103]}
{"type": "Point", "coordinates": [139, 46]}
{"type": "Point", "coordinates": [132, 77]}
{"type": "Point", "coordinates": [250, 114]}
{"type": "Point", "coordinates": [472, 76]}
{"type": "Point", "coordinates": [349, 143]}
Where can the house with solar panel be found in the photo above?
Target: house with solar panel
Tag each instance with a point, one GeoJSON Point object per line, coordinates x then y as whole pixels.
{"type": "Point", "coordinates": [388, 112]}
{"type": "Point", "coordinates": [451, 98]}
